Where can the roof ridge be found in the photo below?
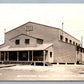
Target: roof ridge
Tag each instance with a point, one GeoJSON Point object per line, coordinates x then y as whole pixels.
{"type": "Point", "coordinates": [46, 26]}
{"type": "Point", "coordinates": [54, 28]}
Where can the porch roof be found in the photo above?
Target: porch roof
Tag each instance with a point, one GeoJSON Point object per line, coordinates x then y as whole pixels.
{"type": "Point", "coordinates": [39, 47]}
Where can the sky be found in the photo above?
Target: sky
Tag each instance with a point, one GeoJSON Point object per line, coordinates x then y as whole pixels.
{"type": "Point", "coordinates": [72, 15]}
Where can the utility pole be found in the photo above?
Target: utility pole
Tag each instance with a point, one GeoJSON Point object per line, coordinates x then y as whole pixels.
{"type": "Point", "coordinates": [4, 34]}
{"type": "Point", "coordinates": [81, 41]}
{"type": "Point", "coordinates": [62, 28]}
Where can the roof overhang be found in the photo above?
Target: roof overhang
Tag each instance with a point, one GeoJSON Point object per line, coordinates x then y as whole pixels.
{"type": "Point", "coordinates": [39, 47]}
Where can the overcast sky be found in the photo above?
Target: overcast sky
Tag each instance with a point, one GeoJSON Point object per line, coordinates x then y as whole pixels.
{"type": "Point", "coordinates": [14, 15]}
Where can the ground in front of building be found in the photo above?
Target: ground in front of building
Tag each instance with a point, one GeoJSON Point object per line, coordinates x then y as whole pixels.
{"type": "Point", "coordinates": [43, 73]}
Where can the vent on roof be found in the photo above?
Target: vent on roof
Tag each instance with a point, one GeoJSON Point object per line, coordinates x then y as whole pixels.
{"type": "Point", "coordinates": [29, 28]}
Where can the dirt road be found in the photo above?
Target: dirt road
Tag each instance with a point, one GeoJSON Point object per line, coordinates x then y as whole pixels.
{"type": "Point", "coordinates": [46, 73]}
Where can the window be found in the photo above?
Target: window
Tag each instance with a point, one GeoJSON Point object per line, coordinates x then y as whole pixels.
{"type": "Point", "coordinates": [74, 43]}
{"type": "Point", "coordinates": [29, 28]}
{"type": "Point", "coordinates": [61, 37]}
{"type": "Point", "coordinates": [39, 41]}
{"type": "Point", "coordinates": [70, 41]}
{"type": "Point", "coordinates": [50, 54]}
{"type": "Point", "coordinates": [17, 42]}
{"type": "Point", "coordinates": [66, 40]}
{"type": "Point", "coordinates": [27, 41]}
{"type": "Point", "coordinates": [79, 45]}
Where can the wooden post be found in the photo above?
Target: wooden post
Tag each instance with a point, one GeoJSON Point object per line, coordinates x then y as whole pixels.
{"type": "Point", "coordinates": [8, 56]}
{"type": "Point", "coordinates": [28, 56]}
{"type": "Point", "coordinates": [17, 56]}
{"type": "Point", "coordinates": [32, 55]}
{"type": "Point", "coordinates": [0, 56]}
{"type": "Point", "coordinates": [82, 56]}
{"type": "Point", "coordinates": [4, 56]}
{"type": "Point", "coordinates": [34, 63]}
{"type": "Point", "coordinates": [44, 57]}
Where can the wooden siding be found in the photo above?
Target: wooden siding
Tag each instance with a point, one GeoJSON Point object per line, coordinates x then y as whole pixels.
{"type": "Point", "coordinates": [39, 31]}
{"type": "Point", "coordinates": [64, 53]}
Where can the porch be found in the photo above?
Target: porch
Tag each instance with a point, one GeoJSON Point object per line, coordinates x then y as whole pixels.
{"type": "Point", "coordinates": [23, 57]}
{"type": "Point", "coordinates": [28, 55]}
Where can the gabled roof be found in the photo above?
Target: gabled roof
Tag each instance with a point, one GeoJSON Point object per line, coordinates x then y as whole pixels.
{"type": "Point", "coordinates": [33, 23]}
{"type": "Point", "coordinates": [25, 35]}
{"type": "Point", "coordinates": [45, 26]}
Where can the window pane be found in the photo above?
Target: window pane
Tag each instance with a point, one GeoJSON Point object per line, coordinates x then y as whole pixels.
{"type": "Point", "coordinates": [17, 42]}
{"type": "Point", "coordinates": [66, 40]}
{"type": "Point", "coordinates": [70, 41]}
{"type": "Point", "coordinates": [39, 41]}
{"type": "Point", "coordinates": [27, 41]}
{"type": "Point", "coordinates": [74, 43]}
{"type": "Point", "coordinates": [61, 37]}
{"type": "Point", "coordinates": [29, 28]}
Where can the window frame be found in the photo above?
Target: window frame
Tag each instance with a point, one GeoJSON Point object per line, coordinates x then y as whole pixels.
{"type": "Point", "coordinates": [73, 43]}
{"type": "Point", "coordinates": [17, 41]}
{"type": "Point", "coordinates": [50, 54]}
{"type": "Point", "coordinates": [38, 41]}
{"type": "Point", "coordinates": [27, 41]}
{"type": "Point", "coordinates": [76, 44]}
{"type": "Point", "coordinates": [61, 37]}
{"type": "Point", "coordinates": [66, 40]}
{"type": "Point", "coordinates": [29, 28]}
{"type": "Point", "coordinates": [70, 41]}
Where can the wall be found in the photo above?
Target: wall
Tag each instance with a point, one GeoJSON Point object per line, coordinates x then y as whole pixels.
{"type": "Point", "coordinates": [22, 38]}
{"type": "Point", "coordinates": [46, 33]}
{"type": "Point", "coordinates": [82, 57]}
{"type": "Point", "coordinates": [48, 58]}
{"type": "Point", "coordinates": [66, 35]}
{"type": "Point", "coordinates": [64, 53]}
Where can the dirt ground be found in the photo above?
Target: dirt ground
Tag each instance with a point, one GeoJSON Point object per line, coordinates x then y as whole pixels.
{"type": "Point", "coordinates": [42, 73]}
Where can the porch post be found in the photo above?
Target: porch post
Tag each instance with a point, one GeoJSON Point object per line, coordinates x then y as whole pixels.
{"type": "Point", "coordinates": [44, 57]}
{"type": "Point", "coordinates": [8, 56]}
{"type": "Point", "coordinates": [17, 56]}
{"type": "Point", "coordinates": [82, 55]}
{"type": "Point", "coordinates": [32, 55]}
{"type": "Point", "coordinates": [28, 56]}
{"type": "Point", "coordinates": [0, 55]}
{"type": "Point", "coordinates": [4, 56]}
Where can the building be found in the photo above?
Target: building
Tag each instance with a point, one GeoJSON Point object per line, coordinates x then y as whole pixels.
{"type": "Point", "coordinates": [33, 42]}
